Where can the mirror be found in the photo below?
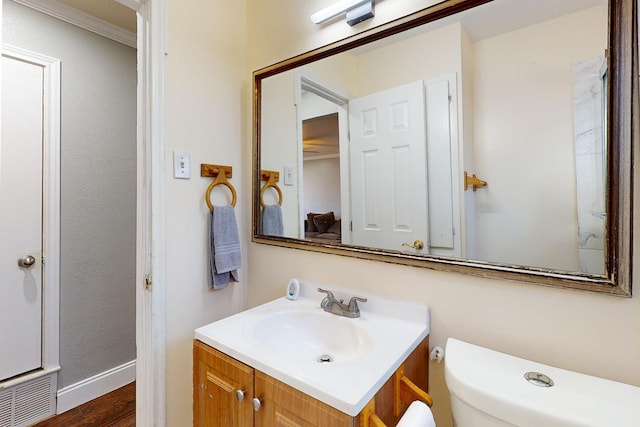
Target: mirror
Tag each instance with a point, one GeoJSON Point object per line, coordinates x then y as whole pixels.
{"type": "Point", "coordinates": [487, 138]}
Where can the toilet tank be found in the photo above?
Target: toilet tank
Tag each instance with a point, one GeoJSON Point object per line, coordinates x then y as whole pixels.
{"type": "Point", "coordinates": [489, 389]}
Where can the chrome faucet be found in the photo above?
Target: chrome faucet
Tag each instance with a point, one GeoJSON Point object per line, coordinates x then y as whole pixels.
{"type": "Point", "coordinates": [332, 305]}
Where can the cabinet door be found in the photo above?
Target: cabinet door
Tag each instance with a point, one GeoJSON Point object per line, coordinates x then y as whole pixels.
{"type": "Point", "coordinates": [284, 406]}
{"type": "Point", "coordinates": [217, 380]}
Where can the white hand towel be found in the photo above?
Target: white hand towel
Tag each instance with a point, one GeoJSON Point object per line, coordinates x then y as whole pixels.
{"type": "Point", "coordinates": [418, 414]}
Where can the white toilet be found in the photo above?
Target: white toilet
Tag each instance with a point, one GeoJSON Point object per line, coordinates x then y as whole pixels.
{"type": "Point", "coordinates": [489, 389]}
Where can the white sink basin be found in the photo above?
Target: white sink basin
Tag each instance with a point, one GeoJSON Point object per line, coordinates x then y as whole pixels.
{"type": "Point", "coordinates": [286, 339]}
{"type": "Point", "coordinates": [312, 335]}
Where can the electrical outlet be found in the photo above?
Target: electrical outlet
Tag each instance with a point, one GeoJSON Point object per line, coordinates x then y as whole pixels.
{"type": "Point", "coordinates": [181, 165]}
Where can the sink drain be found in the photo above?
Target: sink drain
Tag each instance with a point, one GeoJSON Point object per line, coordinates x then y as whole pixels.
{"type": "Point", "coordinates": [536, 378]}
{"type": "Point", "coordinates": [325, 358]}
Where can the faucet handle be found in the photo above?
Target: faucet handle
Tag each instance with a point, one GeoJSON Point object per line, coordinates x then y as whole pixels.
{"type": "Point", "coordinates": [329, 293]}
{"type": "Point", "coordinates": [328, 299]}
{"type": "Point", "coordinates": [353, 303]}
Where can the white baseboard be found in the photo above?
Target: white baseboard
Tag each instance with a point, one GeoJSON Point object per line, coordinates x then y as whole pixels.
{"type": "Point", "coordinates": [83, 391]}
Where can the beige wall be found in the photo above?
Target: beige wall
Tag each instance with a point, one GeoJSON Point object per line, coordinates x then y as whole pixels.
{"type": "Point", "coordinates": [581, 331]}
{"type": "Point", "coordinates": [398, 63]}
{"type": "Point", "coordinates": [515, 140]}
{"type": "Point", "coordinates": [322, 186]}
{"type": "Point", "coordinates": [337, 73]}
{"type": "Point", "coordinates": [280, 132]}
{"type": "Point", "coordinates": [280, 29]}
{"type": "Point", "coordinates": [206, 88]}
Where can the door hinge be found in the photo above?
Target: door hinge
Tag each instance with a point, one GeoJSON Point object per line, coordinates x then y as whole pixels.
{"type": "Point", "coordinates": [147, 282]}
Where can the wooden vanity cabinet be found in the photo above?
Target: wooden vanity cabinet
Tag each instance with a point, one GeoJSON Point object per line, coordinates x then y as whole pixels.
{"type": "Point", "coordinates": [217, 378]}
{"type": "Point", "coordinates": [223, 389]}
{"type": "Point", "coordinates": [284, 406]}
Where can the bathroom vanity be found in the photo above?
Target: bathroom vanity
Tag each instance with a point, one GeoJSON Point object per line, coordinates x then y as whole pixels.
{"type": "Point", "coordinates": [226, 393]}
{"type": "Point", "coordinates": [290, 363]}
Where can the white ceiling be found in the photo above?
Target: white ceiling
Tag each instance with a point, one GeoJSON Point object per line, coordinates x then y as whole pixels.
{"type": "Point", "coordinates": [320, 136]}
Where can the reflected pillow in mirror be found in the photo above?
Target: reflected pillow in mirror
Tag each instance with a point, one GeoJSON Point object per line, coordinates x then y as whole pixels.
{"type": "Point", "coordinates": [324, 221]}
{"type": "Point", "coordinates": [311, 227]}
{"type": "Point", "coordinates": [336, 227]}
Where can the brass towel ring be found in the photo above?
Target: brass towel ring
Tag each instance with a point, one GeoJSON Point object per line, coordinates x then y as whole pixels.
{"type": "Point", "coordinates": [270, 183]}
{"type": "Point", "coordinates": [221, 179]}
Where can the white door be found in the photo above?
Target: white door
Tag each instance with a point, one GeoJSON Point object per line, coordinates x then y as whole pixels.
{"type": "Point", "coordinates": [388, 168]}
{"type": "Point", "coordinates": [21, 217]}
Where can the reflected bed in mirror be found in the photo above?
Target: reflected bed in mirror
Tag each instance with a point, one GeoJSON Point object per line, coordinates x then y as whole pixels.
{"type": "Point", "coordinates": [380, 131]}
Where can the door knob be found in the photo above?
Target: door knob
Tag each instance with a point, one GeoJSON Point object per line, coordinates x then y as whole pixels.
{"type": "Point", "coordinates": [26, 261]}
{"type": "Point", "coordinates": [418, 244]}
{"type": "Point", "coordinates": [239, 395]}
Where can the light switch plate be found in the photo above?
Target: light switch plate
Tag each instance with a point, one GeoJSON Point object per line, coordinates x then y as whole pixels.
{"type": "Point", "coordinates": [288, 175]}
{"type": "Point", "coordinates": [181, 165]}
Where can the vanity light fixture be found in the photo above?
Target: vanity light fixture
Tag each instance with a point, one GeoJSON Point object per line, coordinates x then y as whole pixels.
{"type": "Point", "coordinates": [356, 11]}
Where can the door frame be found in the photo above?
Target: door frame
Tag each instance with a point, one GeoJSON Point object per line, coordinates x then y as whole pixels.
{"type": "Point", "coordinates": [150, 213]}
{"type": "Point", "coordinates": [307, 81]}
{"type": "Point", "coordinates": [50, 359]}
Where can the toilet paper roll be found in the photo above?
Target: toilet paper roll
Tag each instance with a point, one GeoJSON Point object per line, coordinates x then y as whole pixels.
{"type": "Point", "coordinates": [418, 414]}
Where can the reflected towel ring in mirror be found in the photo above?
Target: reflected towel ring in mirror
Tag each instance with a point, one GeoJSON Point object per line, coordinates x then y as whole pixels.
{"type": "Point", "coordinates": [272, 178]}
{"type": "Point", "coordinates": [220, 173]}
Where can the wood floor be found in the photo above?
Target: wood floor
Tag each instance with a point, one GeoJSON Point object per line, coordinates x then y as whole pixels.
{"type": "Point", "coordinates": [116, 409]}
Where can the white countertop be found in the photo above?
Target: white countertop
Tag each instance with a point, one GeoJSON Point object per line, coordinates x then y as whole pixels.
{"type": "Point", "coordinates": [395, 328]}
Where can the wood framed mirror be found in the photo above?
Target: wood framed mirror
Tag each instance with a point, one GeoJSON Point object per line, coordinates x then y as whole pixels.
{"type": "Point", "coordinates": [541, 102]}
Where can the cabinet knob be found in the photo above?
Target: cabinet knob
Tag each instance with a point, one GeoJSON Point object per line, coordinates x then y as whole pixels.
{"type": "Point", "coordinates": [257, 403]}
{"type": "Point", "coordinates": [239, 395]}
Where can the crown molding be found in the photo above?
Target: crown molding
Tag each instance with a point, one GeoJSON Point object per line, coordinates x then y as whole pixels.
{"type": "Point", "coordinates": [131, 4]}
{"type": "Point", "coordinates": [84, 20]}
